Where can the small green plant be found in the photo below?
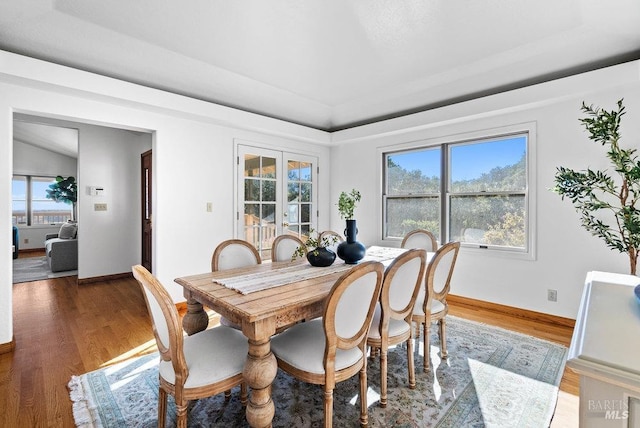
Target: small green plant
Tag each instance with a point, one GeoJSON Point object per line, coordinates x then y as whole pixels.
{"type": "Point", "coordinates": [347, 203]}
{"type": "Point", "coordinates": [312, 244]}
{"type": "Point", "coordinates": [608, 207]}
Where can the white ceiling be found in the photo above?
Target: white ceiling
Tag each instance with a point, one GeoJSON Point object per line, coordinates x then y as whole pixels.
{"type": "Point", "coordinates": [60, 139]}
{"type": "Point", "coordinates": [328, 64]}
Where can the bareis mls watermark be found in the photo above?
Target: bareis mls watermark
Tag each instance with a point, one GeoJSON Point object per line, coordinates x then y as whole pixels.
{"type": "Point", "coordinates": [608, 409]}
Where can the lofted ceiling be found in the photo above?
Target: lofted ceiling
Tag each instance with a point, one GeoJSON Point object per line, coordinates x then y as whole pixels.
{"type": "Point", "coordinates": [46, 134]}
{"type": "Point", "coordinates": [327, 64]}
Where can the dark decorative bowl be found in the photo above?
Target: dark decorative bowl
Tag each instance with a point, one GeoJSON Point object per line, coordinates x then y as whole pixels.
{"type": "Point", "coordinates": [321, 257]}
{"type": "Point", "coordinates": [637, 291]}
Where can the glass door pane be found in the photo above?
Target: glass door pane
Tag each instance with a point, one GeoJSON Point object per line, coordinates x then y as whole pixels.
{"type": "Point", "coordinates": [276, 195]}
{"type": "Point", "coordinates": [260, 173]}
{"type": "Point", "coordinates": [299, 213]}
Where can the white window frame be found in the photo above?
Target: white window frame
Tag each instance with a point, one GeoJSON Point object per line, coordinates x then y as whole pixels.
{"type": "Point", "coordinates": [30, 201]}
{"type": "Point", "coordinates": [529, 128]}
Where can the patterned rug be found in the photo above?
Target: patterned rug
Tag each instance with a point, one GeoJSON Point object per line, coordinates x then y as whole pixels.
{"type": "Point", "coordinates": [493, 377]}
{"type": "Point", "coordinates": [35, 269]}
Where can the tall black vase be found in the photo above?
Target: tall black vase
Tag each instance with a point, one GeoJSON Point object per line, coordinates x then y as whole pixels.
{"type": "Point", "coordinates": [351, 251]}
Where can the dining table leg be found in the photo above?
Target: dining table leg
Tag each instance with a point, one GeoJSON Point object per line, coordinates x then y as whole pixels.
{"type": "Point", "coordinates": [259, 372]}
{"type": "Point", "coordinates": [196, 319]}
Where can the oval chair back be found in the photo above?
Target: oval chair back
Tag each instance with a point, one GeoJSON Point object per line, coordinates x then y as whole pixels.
{"type": "Point", "coordinates": [231, 254]}
{"type": "Point", "coordinates": [331, 234]}
{"type": "Point", "coordinates": [234, 253]}
{"type": "Point", "coordinates": [431, 304]}
{"type": "Point", "coordinates": [192, 367]}
{"type": "Point", "coordinates": [392, 320]}
{"type": "Point", "coordinates": [333, 349]}
{"type": "Point", "coordinates": [420, 238]}
{"type": "Point", "coordinates": [284, 246]}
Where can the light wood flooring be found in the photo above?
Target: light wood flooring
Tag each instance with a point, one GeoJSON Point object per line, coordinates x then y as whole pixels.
{"type": "Point", "coordinates": [62, 329]}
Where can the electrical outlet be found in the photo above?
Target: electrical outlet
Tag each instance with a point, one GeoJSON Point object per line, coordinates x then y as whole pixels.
{"type": "Point", "coordinates": [26, 240]}
{"type": "Point", "coordinates": [552, 295]}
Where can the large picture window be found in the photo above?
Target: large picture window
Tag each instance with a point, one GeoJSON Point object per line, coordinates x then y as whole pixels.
{"type": "Point", "coordinates": [30, 205]}
{"type": "Point", "coordinates": [473, 191]}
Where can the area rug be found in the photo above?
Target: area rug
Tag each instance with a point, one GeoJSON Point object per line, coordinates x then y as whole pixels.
{"type": "Point", "coordinates": [35, 269]}
{"type": "Point", "coordinates": [493, 377]}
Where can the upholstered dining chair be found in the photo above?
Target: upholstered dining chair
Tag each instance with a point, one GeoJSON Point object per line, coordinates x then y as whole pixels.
{"type": "Point", "coordinates": [331, 349]}
{"type": "Point", "coordinates": [392, 319]}
{"type": "Point", "coordinates": [231, 254]}
{"type": "Point", "coordinates": [284, 246]}
{"type": "Point", "coordinates": [431, 303]}
{"type": "Point", "coordinates": [420, 238]}
{"type": "Point", "coordinates": [331, 234]}
{"type": "Point", "coordinates": [191, 367]}
{"type": "Point", "coordinates": [234, 253]}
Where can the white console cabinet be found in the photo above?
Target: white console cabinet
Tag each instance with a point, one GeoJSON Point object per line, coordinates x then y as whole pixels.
{"type": "Point", "coordinates": [605, 351]}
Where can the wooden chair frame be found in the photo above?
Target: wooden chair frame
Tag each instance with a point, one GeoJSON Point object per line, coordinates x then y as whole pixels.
{"type": "Point", "coordinates": [326, 233]}
{"type": "Point", "coordinates": [388, 312]}
{"type": "Point", "coordinates": [333, 342]}
{"type": "Point", "coordinates": [215, 266]}
{"type": "Point", "coordinates": [279, 241]}
{"type": "Point", "coordinates": [174, 353]}
{"type": "Point", "coordinates": [432, 238]}
{"type": "Point", "coordinates": [215, 258]}
{"type": "Point", "coordinates": [441, 295]}
{"type": "Point", "coordinates": [329, 233]}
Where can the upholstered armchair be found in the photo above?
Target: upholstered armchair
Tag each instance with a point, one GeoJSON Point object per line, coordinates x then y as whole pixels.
{"type": "Point", "coordinates": [61, 248]}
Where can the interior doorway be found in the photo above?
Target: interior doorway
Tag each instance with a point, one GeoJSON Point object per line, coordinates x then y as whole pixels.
{"type": "Point", "coordinates": [43, 153]}
{"type": "Point", "coordinates": [147, 208]}
{"type": "Point", "coordinates": [107, 167]}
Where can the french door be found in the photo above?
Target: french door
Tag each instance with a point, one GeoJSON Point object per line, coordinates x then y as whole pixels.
{"type": "Point", "coordinates": [276, 195]}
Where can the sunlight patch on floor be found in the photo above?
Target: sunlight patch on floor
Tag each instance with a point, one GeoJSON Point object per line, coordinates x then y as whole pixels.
{"type": "Point", "coordinates": [145, 348]}
{"type": "Point", "coordinates": [372, 398]}
{"type": "Point", "coordinates": [496, 387]}
{"type": "Point", "coordinates": [132, 374]}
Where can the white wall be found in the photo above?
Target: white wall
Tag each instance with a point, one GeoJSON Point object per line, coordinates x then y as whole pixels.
{"type": "Point", "coordinates": [31, 160]}
{"type": "Point", "coordinates": [193, 146]}
{"type": "Point", "coordinates": [565, 251]}
{"type": "Point", "coordinates": [109, 241]}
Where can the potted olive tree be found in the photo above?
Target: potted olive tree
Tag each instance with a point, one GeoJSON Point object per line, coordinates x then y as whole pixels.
{"type": "Point", "coordinates": [608, 203]}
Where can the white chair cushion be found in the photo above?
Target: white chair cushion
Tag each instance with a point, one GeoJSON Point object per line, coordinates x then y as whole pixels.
{"type": "Point", "coordinates": [419, 240]}
{"type": "Point", "coordinates": [302, 347]}
{"type": "Point", "coordinates": [212, 355]}
{"type": "Point", "coordinates": [236, 256]}
{"type": "Point", "coordinates": [436, 306]}
{"type": "Point", "coordinates": [396, 327]}
{"type": "Point", "coordinates": [285, 249]}
{"type": "Point", "coordinates": [353, 307]}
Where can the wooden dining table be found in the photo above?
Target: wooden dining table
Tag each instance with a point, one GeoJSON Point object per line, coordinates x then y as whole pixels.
{"type": "Point", "coordinates": [262, 313]}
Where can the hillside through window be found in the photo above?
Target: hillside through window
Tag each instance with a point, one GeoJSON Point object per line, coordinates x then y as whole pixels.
{"type": "Point", "coordinates": [475, 192]}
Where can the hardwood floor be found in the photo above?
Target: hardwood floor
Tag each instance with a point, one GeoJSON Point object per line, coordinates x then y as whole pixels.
{"type": "Point", "coordinates": [62, 329]}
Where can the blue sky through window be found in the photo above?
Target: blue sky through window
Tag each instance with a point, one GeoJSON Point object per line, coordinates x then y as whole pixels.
{"type": "Point", "coordinates": [468, 161]}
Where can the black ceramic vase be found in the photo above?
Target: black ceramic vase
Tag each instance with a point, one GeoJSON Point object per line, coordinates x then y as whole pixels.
{"type": "Point", "coordinates": [324, 257]}
{"type": "Point", "coordinates": [351, 251]}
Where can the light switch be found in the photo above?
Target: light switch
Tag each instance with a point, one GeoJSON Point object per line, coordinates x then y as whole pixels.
{"type": "Point", "coordinates": [209, 207]}
{"type": "Point", "coordinates": [99, 207]}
